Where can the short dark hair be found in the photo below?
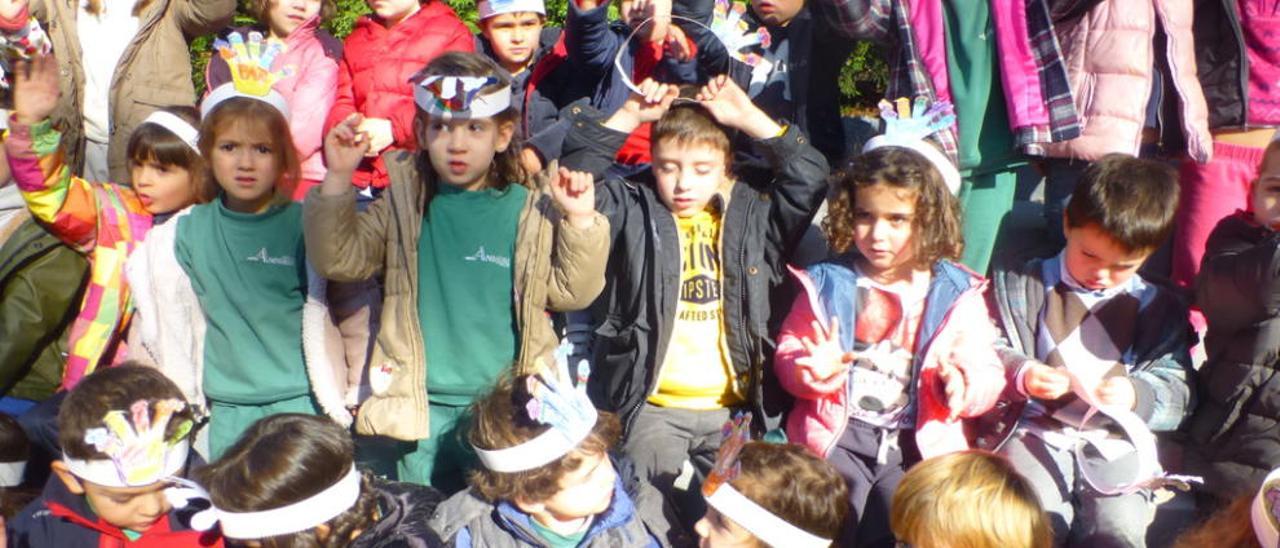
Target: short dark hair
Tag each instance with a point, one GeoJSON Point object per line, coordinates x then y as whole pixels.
{"type": "Point", "coordinates": [112, 389]}
{"type": "Point", "coordinates": [153, 143]}
{"type": "Point", "coordinates": [688, 124]}
{"type": "Point", "coordinates": [1133, 200]}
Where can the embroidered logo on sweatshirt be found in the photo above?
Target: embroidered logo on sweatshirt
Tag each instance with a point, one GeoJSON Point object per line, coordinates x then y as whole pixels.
{"type": "Point", "coordinates": [262, 257]}
{"type": "Point", "coordinates": [483, 256]}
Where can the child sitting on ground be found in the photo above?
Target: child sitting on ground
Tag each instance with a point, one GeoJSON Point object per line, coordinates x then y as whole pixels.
{"type": "Point", "coordinates": [124, 435]}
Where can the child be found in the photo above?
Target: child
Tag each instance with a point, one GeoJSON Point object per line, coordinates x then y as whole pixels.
{"type": "Point", "coordinates": [380, 55]}
{"type": "Point", "coordinates": [121, 60]}
{"type": "Point", "coordinates": [106, 222]}
{"type": "Point", "coordinates": [1231, 430]}
{"type": "Point", "coordinates": [890, 343]}
{"type": "Point", "coordinates": [971, 498]}
{"type": "Point", "coordinates": [228, 306]}
{"type": "Point", "coordinates": [548, 479]}
{"type": "Point", "coordinates": [312, 54]}
{"type": "Point", "coordinates": [472, 257]}
{"type": "Point", "coordinates": [290, 480]}
{"type": "Point", "coordinates": [779, 495]}
{"type": "Point", "coordinates": [124, 436]}
{"type": "Point", "coordinates": [1084, 324]}
{"type": "Point", "coordinates": [681, 333]}
{"type": "Point", "coordinates": [15, 451]}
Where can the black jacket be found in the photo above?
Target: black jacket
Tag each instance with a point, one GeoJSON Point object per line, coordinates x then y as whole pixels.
{"type": "Point", "coordinates": [1235, 432]}
{"type": "Point", "coordinates": [405, 509]}
{"type": "Point", "coordinates": [1222, 62]}
{"type": "Point", "coordinates": [633, 317]}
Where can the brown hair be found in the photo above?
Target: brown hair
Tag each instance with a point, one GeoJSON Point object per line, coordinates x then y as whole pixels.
{"type": "Point", "coordinates": [1133, 200]}
{"type": "Point", "coordinates": [935, 227]}
{"type": "Point", "coordinates": [793, 484]}
{"type": "Point", "coordinates": [153, 143]}
{"type": "Point", "coordinates": [112, 389]}
{"type": "Point", "coordinates": [506, 167]}
{"type": "Point", "coordinates": [14, 447]}
{"type": "Point", "coordinates": [284, 459]}
{"type": "Point", "coordinates": [500, 421]}
{"type": "Point", "coordinates": [689, 124]}
{"type": "Point", "coordinates": [95, 7]}
{"type": "Point", "coordinates": [973, 499]}
{"type": "Point", "coordinates": [265, 118]}
{"type": "Point", "coordinates": [1230, 527]}
{"type": "Point", "coordinates": [260, 9]}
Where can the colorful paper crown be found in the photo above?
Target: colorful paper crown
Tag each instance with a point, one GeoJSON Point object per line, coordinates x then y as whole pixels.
{"type": "Point", "coordinates": [557, 403]}
{"type": "Point", "coordinates": [251, 76]}
{"type": "Point", "coordinates": [489, 8]}
{"type": "Point", "coordinates": [25, 43]}
{"type": "Point", "coordinates": [138, 452]}
{"type": "Point", "coordinates": [735, 434]}
{"type": "Point", "coordinates": [461, 97]}
{"type": "Point", "coordinates": [907, 126]}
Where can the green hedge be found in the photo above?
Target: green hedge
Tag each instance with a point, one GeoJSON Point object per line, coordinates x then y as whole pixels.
{"type": "Point", "coordinates": [862, 77]}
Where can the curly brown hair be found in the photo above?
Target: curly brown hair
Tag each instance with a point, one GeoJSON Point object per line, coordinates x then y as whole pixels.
{"type": "Point", "coordinates": [793, 484]}
{"type": "Point", "coordinates": [500, 421]}
{"type": "Point", "coordinates": [935, 227]}
{"type": "Point", "coordinates": [287, 458]}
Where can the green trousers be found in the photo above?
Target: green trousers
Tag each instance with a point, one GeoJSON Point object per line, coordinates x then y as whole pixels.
{"type": "Point", "coordinates": [985, 199]}
{"type": "Point", "coordinates": [228, 420]}
{"type": "Point", "coordinates": [444, 459]}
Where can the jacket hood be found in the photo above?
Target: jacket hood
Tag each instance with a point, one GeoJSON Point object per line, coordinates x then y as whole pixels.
{"type": "Point", "coordinates": [405, 510]}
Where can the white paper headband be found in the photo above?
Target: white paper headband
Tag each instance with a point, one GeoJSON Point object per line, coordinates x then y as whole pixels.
{"type": "Point", "coordinates": [547, 447]}
{"type": "Point", "coordinates": [107, 473]}
{"type": "Point", "coordinates": [950, 175]}
{"type": "Point", "coordinates": [229, 90]}
{"type": "Point", "coordinates": [767, 527]}
{"type": "Point", "coordinates": [299, 516]}
{"type": "Point", "coordinates": [489, 8]}
{"type": "Point", "coordinates": [11, 473]}
{"type": "Point", "coordinates": [460, 97]}
{"type": "Point", "coordinates": [176, 126]}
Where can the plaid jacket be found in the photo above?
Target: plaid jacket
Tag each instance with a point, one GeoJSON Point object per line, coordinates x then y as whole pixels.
{"type": "Point", "coordinates": [888, 22]}
{"type": "Point", "coordinates": [103, 221]}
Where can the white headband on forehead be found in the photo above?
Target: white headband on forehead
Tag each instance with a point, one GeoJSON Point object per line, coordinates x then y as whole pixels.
{"type": "Point", "coordinates": [770, 529]}
{"type": "Point", "coordinates": [228, 90]}
{"type": "Point", "coordinates": [11, 473]}
{"type": "Point", "coordinates": [490, 8]}
{"type": "Point", "coordinates": [288, 519]}
{"type": "Point", "coordinates": [137, 444]}
{"type": "Point", "coordinates": [176, 126]}
{"type": "Point", "coordinates": [907, 125]}
{"type": "Point", "coordinates": [460, 97]}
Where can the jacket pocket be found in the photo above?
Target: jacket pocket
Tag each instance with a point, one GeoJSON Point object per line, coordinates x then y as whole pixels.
{"type": "Point", "coordinates": [616, 377]}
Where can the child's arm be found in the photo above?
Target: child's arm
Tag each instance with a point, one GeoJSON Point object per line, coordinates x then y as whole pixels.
{"type": "Point", "coordinates": [587, 36]}
{"type": "Point", "coordinates": [971, 369]}
{"type": "Point", "coordinates": [809, 362]}
{"type": "Point", "coordinates": [581, 247]}
{"type": "Point", "coordinates": [859, 19]}
{"type": "Point", "coordinates": [1162, 372]}
{"type": "Point", "coordinates": [1239, 282]}
{"type": "Point", "coordinates": [592, 144]}
{"type": "Point", "coordinates": [200, 17]}
{"type": "Point", "coordinates": [342, 244]}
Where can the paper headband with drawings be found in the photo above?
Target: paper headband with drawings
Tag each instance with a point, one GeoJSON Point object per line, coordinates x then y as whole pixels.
{"type": "Point", "coordinates": [138, 451]}
{"type": "Point", "coordinates": [251, 76]}
{"type": "Point", "coordinates": [907, 124]}
{"type": "Point", "coordinates": [460, 97]}
{"type": "Point", "coordinates": [1264, 513]}
{"type": "Point", "coordinates": [555, 402]}
{"type": "Point", "coordinates": [177, 126]}
{"type": "Point", "coordinates": [728, 27]}
{"type": "Point", "coordinates": [291, 518]}
{"type": "Point", "coordinates": [731, 503]}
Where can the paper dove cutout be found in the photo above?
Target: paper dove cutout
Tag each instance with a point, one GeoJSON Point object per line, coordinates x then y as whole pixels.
{"type": "Point", "coordinates": [556, 401]}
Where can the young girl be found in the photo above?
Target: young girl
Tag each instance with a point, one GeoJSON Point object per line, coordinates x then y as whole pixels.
{"type": "Point", "coordinates": [230, 310]}
{"type": "Point", "coordinates": [301, 469]}
{"type": "Point", "coordinates": [970, 498]}
{"type": "Point", "coordinates": [380, 55]}
{"type": "Point", "coordinates": [472, 259]}
{"type": "Point", "coordinates": [106, 222]}
{"type": "Point", "coordinates": [890, 344]}
{"type": "Point", "coordinates": [782, 496]}
{"type": "Point", "coordinates": [312, 54]}
{"type": "Point", "coordinates": [120, 60]}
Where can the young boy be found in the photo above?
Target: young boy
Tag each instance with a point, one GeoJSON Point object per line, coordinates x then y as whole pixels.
{"type": "Point", "coordinates": [546, 482]}
{"type": "Point", "coordinates": [1085, 323]}
{"type": "Point", "coordinates": [379, 57]}
{"type": "Point", "coordinates": [124, 434]}
{"type": "Point", "coordinates": [682, 330]}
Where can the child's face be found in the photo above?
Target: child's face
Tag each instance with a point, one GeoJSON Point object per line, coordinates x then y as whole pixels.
{"type": "Point", "coordinates": [1096, 260]}
{"type": "Point", "coordinates": [393, 11]}
{"type": "Point", "coordinates": [162, 188]}
{"type": "Point", "coordinates": [687, 175]}
{"type": "Point", "coordinates": [717, 531]}
{"type": "Point", "coordinates": [1264, 196]}
{"type": "Point", "coordinates": [462, 151]}
{"type": "Point", "coordinates": [777, 12]}
{"type": "Point", "coordinates": [585, 491]}
{"type": "Point", "coordinates": [514, 37]}
{"type": "Point", "coordinates": [246, 167]}
{"type": "Point", "coordinates": [285, 16]}
{"type": "Point", "coordinates": [132, 508]}
{"type": "Point", "coordinates": [883, 224]}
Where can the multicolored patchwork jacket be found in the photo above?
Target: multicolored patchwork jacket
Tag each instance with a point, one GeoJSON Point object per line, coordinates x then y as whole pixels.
{"type": "Point", "coordinates": [104, 221]}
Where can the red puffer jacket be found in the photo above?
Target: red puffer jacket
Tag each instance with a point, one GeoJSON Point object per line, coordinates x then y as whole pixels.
{"type": "Point", "coordinates": [377, 63]}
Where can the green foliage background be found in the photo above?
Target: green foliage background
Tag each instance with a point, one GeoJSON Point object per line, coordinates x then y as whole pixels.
{"type": "Point", "coordinates": [862, 77]}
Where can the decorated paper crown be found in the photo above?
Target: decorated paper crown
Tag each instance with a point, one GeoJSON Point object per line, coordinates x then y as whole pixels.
{"type": "Point", "coordinates": [555, 402]}
{"type": "Point", "coordinates": [907, 125]}
{"type": "Point", "coordinates": [490, 8]}
{"type": "Point", "coordinates": [251, 75]}
{"type": "Point", "coordinates": [138, 451]}
{"type": "Point", "coordinates": [1265, 512]}
{"type": "Point", "coordinates": [721, 495]}
{"type": "Point", "coordinates": [460, 97]}
{"type": "Point", "coordinates": [290, 518]}
{"type": "Point", "coordinates": [25, 43]}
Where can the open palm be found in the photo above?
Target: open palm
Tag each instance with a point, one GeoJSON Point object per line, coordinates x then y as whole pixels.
{"type": "Point", "coordinates": [35, 88]}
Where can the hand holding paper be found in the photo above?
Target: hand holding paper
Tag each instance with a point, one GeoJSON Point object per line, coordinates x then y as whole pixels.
{"type": "Point", "coordinates": [1117, 392]}
{"type": "Point", "coordinates": [1046, 383]}
{"type": "Point", "coordinates": [379, 135]}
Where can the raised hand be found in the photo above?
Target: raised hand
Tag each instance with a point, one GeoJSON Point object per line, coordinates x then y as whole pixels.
{"type": "Point", "coordinates": [35, 88]}
{"type": "Point", "coordinates": [731, 106]}
{"type": "Point", "coordinates": [1046, 383]}
{"type": "Point", "coordinates": [648, 105]}
{"type": "Point", "coordinates": [344, 148]}
{"type": "Point", "coordinates": [11, 8]}
{"type": "Point", "coordinates": [954, 387]}
{"type": "Point", "coordinates": [378, 133]}
{"type": "Point", "coordinates": [826, 358]}
{"type": "Point", "coordinates": [659, 10]}
{"type": "Point", "coordinates": [575, 193]}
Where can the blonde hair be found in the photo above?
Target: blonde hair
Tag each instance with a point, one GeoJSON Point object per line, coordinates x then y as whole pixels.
{"type": "Point", "coordinates": [972, 499]}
